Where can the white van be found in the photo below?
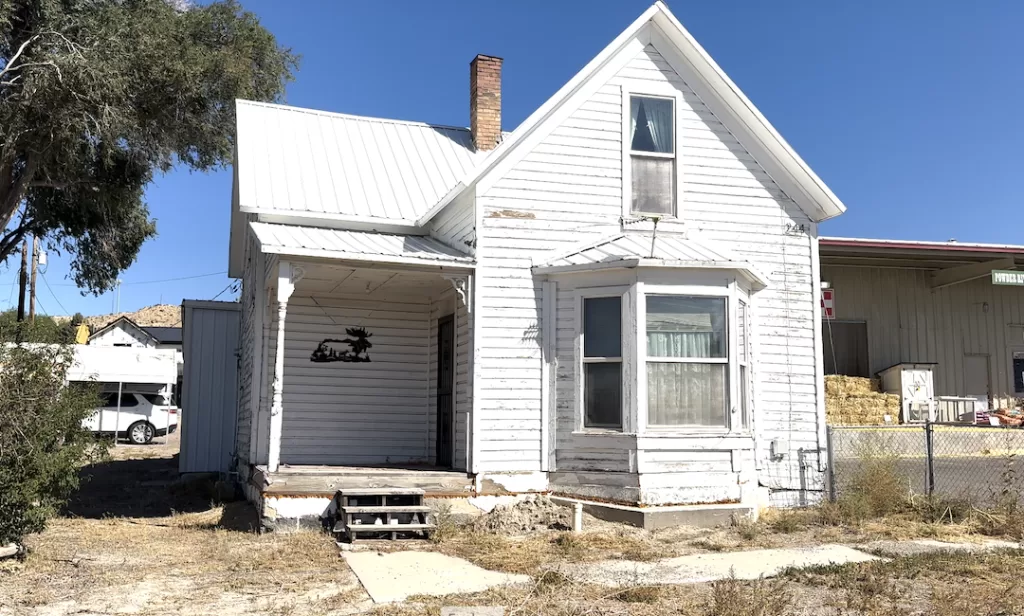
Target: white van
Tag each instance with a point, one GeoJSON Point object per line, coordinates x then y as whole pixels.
{"type": "Point", "coordinates": [142, 416]}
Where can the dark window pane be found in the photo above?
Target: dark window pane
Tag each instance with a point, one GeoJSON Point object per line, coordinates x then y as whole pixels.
{"type": "Point", "coordinates": [602, 327]}
{"type": "Point", "coordinates": [680, 326]}
{"type": "Point", "coordinates": [602, 387]}
{"type": "Point", "coordinates": [128, 400]}
{"type": "Point", "coordinates": [652, 125]}
{"type": "Point", "coordinates": [653, 185]}
{"type": "Point", "coordinates": [155, 399]}
{"type": "Point", "coordinates": [1018, 372]}
{"type": "Point", "coordinates": [109, 400]}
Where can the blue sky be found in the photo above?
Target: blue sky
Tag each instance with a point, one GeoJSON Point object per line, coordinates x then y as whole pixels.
{"type": "Point", "coordinates": [909, 110]}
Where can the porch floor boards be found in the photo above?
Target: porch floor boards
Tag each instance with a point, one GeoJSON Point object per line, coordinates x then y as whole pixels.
{"type": "Point", "coordinates": [328, 480]}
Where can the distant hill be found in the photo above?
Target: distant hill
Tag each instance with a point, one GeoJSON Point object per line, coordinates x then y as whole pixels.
{"type": "Point", "coordinates": [161, 315]}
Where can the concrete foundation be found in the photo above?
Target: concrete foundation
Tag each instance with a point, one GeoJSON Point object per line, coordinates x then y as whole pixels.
{"type": "Point", "coordinates": [651, 518]}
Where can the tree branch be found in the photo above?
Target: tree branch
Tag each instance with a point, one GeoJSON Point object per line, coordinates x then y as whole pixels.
{"type": "Point", "coordinates": [10, 241]}
{"type": "Point", "coordinates": [10, 63]}
{"type": "Point", "coordinates": [11, 201]}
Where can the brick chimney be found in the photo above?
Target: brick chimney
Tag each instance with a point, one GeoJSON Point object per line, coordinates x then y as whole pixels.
{"type": "Point", "coordinates": [485, 101]}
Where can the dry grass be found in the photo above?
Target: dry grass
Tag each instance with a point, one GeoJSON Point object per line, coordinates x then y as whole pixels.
{"type": "Point", "coordinates": [138, 540]}
{"type": "Point", "coordinates": [532, 554]}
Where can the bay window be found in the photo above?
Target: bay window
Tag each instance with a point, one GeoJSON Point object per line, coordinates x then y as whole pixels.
{"type": "Point", "coordinates": [602, 362]}
{"type": "Point", "coordinates": [687, 361]}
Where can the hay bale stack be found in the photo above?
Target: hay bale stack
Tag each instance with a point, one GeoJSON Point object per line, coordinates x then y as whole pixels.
{"type": "Point", "coordinates": [840, 385]}
{"type": "Point", "coordinates": [855, 401]}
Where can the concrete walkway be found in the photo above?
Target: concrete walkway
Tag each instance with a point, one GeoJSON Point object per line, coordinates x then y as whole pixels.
{"type": "Point", "coordinates": [397, 576]}
{"type": "Point", "coordinates": [696, 568]}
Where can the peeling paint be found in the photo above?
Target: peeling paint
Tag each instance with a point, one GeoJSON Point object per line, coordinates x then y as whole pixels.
{"type": "Point", "coordinates": [511, 214]}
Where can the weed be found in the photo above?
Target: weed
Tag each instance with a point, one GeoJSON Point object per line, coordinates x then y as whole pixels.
{"type": "Point", "coordinates": [730, 597]}
{"type": "Point", "coordinates": [639, 594]}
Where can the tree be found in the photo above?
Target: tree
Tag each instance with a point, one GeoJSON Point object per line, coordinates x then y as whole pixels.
{"type": "Point", "coordinates": [96, 96]}
{"type": "Point", "coordinates": [44, 329]}
{"type": "Point", "coordinates": [42, 443]}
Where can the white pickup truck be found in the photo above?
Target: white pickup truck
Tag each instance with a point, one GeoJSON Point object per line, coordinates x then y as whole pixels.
{"type": "Point", "coordinates": [142, 416]}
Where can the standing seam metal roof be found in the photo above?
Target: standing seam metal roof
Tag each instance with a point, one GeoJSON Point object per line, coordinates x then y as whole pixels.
{"type": "Point", "coordinates": [355, 245]}
{"type": "Point", "coordinates": [304, 161]}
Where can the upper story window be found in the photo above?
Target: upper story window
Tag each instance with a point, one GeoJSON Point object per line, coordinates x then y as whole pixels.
{"type": "Point", "coordinates": [687, 361]}
{"type": "Point", "coordinates": [652, 153]}
{"type": "Point", "coordinates": [602, 362]}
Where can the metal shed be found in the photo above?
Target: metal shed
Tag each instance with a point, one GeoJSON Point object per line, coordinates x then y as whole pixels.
{"type": "Point", "coordinates": [210, 340]}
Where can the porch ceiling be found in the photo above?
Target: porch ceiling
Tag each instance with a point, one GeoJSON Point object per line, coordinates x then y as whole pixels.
{"type": "Point", "coordinates": [357, 246]}
{"type": "Point", "coordinates": [330, 279]}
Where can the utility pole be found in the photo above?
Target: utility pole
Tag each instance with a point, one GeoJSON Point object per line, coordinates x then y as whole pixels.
{"type": "Point", "coordinates": [32, 281]}
{"type": "Point", "coordinates": [22, 281]}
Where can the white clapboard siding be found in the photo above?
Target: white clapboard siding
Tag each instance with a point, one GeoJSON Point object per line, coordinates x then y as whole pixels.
{"type": "Point", "coordinates": [455, 225]}
{"type": "Point", "coordinates": [350, 412]}
{"type": "Point", "coordinates": [247, 342]}
{"type": "Point", "coordinates": [567, 190]}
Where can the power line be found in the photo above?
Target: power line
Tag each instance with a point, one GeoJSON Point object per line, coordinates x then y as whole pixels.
{"type": "Point", "coordinates": [157, 281]}
{"type": "Point", "coordinates": [43, 276]}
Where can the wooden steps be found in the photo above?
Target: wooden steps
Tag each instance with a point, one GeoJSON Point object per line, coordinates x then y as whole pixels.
{"type": "Point", "coordinates": [395, 513]}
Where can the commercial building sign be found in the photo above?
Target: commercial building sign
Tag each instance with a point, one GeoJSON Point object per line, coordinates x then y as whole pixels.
{"type": "Point", "coordinates": [1008, 277]}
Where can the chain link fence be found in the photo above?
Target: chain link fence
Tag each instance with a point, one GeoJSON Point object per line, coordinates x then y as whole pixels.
{"type": "Point", "coordinates": [980, 464]}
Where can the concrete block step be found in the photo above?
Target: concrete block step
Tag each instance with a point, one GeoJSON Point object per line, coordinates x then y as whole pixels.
{"type": "Point", "coordinates": [381, 492]}
{"type": "Point", "coordinates": [387, 509]}
{"type": "Point", "coordinates": [383, 528]}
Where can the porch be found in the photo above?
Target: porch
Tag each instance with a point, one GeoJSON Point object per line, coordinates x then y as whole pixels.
{"type": "Point", "coordinates": [365, 363]}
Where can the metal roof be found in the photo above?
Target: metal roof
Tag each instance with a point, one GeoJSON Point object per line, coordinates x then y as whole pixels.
{"type": "Point", "coordinates": [633, 249]}
{"type": "Point", "coordinates": [914, 254]}
{"type": "Point", "coordinates": [356, 245]}
{"type": "Point", "coordinates": [165, 335]}
{"type": "Point", "coordinates": [294, 161]}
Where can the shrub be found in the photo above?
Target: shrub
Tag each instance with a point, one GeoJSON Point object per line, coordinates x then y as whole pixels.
{"type": "Point", "coordinates": [876, 488]}
{"type": "Point", "coordinates": [42, 443]}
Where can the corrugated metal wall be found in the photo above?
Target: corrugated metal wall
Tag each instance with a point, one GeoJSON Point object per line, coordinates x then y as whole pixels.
{"type": "Point", "coordinates": [210, 340]}
{"type": "Point", "coordinates": [955, 327]}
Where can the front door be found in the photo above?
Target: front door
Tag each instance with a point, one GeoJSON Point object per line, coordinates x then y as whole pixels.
{"type": "Point", "coordinates": [445, 385]}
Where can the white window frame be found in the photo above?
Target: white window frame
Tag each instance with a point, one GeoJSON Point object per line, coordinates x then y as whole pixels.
{"type": "Point", "coordinates": [732, 294]}
{"type": "Point", "coordinates": [627, 341]}
{"type": "Point", "coordinates": [664, 91]}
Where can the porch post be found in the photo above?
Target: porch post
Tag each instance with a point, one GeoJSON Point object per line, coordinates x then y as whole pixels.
{"type": "Point", "coordinates": [287, 276]}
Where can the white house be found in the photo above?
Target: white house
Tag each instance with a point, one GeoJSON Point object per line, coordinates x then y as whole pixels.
{"type": "Point", "coordinates": [618, 300]}
{"type": "Point", "coordinates": [124, 332]}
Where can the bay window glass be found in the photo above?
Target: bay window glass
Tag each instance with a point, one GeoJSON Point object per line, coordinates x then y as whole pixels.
{"type": "Point", "coordinates": [652, 154]}
{"type": "Point", "coordinates": [687, 361]}
{"type": "Point", "coordinates": [602, 362]}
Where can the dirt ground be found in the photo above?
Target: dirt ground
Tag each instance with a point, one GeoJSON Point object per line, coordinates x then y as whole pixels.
{"type": "Point", "coordinates": [138, 540]}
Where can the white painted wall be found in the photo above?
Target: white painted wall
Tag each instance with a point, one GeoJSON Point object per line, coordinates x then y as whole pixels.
{"type": "Point", "coordinates": [349, 412]}
{"type": "Point", "coordinates": [120, 335]}
{"type": "Point", "coordinates": [568, 189]}
{"type": "Point", "coordinates": [455, 225]}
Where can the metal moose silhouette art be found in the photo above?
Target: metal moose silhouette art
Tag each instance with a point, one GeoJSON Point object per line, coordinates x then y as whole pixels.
{"type": "Point", "coordinates": [357, 351]}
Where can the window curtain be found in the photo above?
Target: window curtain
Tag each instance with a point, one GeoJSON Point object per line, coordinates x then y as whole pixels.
{"type": "Point", "coordinates": [651, 125]}
{"type": "Point", "coordinates": [680, 344]}
{"type": "Point", "coordinates": [686, 394]}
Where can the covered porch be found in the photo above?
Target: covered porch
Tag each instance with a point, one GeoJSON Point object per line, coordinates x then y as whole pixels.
{"type": "Point", "coordinates": [364, 364]}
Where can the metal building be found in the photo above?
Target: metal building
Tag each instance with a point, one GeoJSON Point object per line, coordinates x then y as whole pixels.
{"type": "Point", "coordinates": [959, 306]}
{"type": "Point", "coordinates": [210, 385]}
